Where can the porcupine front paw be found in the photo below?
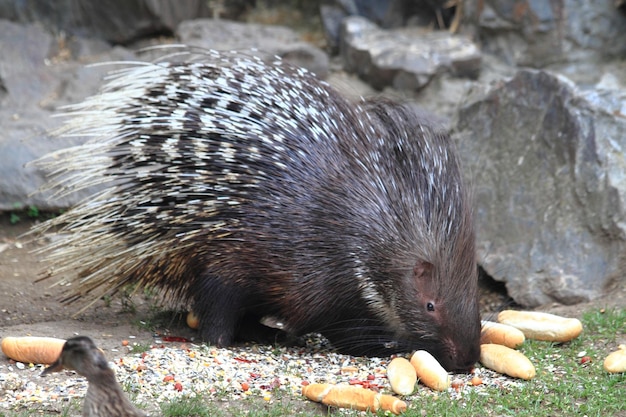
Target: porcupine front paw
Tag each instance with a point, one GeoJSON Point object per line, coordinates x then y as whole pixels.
{"type": "Point", "coordinates": [224, 328]}
{"type": "Point", "coordinates": [218, 307]}
{"type": "Point", "coordinates": [216, 327]}
{"type": "Point", "coordinates": [251, 328]}
{"type": "Point", "coordinates": [224, 316]}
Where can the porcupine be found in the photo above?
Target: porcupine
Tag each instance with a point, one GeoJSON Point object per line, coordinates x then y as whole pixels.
{"type": "Point", "coordinates": [249, 188]}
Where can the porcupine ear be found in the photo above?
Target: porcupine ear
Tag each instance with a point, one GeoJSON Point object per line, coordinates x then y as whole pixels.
{"type": "Point", "coordinates": [422, 271]}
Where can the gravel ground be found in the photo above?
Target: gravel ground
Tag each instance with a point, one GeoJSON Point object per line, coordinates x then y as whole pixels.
{"type": "Point", "coordinates": [168, 370]}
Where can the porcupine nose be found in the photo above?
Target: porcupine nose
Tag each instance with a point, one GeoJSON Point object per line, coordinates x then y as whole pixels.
{"type": "Point", "coordinates": [459, 356]}
{"type": "Point", "coordinates": [467, 358]}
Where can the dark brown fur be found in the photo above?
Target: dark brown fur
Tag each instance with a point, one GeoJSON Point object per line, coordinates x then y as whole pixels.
{"type": "Point", "coordinates": [349, 220]}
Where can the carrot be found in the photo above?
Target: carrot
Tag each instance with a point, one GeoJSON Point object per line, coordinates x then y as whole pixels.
{"type": "Point", "coordinates": [429, 371]}
{"type": "Point", "coordinates": [501, 334]}
{"type": "Point", "coordinates": [542, 326]}
{"type": "Point", "coordinates": [353, 397]}
{"type": "Point", "coordinates": [32, 349]}
{"type": "Point", "coordinates": [402, 376]}
{"type": "Point", "coordinates": [506, 361]}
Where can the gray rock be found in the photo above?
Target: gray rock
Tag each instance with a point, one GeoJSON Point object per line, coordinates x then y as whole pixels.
{"type": "Point", "coordinates": [268, 40]}
{"type": "Point", "coordinates": [25, 83]}
{"type": "Point", "coordinates": [407, 59]}
{"type": "Point", "coordinates": [34, 82]}
{"type": "Point", "coordinates": [385, 13]}
{"type": "Point", "coordinates": [547, 164]}
{"type": "Point", "coordinates": [117, 21]}
{"type": "Point", "coordinates": [538, 33]}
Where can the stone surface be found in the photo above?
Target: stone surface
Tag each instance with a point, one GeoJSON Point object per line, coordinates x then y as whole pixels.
{"type": "Point", "coordinates": [268, 40]}
{"type": "Point", "coordinates": [408, 58]}
{"type": "Point", "coordinates": [117, 21]}
{"type": "Point", "coordinates": [538, 33]}
{"type": "Point", "coordinates": [547, 164]}
{"type": "Point", "coordinates": [27, 88]}
{"type": "Point", "coordinates": [384, 13]}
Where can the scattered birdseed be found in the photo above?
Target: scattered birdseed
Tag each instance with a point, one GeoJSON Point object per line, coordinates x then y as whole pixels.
{"type": "Point", "coordinates": [170, 370]}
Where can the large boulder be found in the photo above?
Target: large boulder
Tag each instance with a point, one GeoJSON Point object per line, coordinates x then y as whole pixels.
{"type": "Point", "coordinates": [405, 58]}
{"type": "Point", "coordinates": [547, 164]}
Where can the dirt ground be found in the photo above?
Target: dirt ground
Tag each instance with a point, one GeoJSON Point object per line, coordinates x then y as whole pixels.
{"type": "Point", "coordinates": [33, 308]}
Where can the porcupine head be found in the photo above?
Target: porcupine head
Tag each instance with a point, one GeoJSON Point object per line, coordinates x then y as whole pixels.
{"type": "Point", "coordinates": [247, 189]}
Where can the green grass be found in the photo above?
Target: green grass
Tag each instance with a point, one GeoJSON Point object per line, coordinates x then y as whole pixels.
{"type": "Point", "coordinates": [140, 347]}
{"type": "Point", "coordinates": [281, 405]}
{"type": "Point", "coordinates": [29, 213]}
{"type": "Point", "coordinates": [188, 406]}
{"type": "Point", "coordinates": [563, 386]}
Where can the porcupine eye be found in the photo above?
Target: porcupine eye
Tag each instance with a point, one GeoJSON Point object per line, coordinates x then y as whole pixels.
{"type": "Point", "coordinates": [430, 307]}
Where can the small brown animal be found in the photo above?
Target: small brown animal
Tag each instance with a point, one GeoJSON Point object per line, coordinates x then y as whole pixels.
{"type": "Point", "coordinates": [105, 397]}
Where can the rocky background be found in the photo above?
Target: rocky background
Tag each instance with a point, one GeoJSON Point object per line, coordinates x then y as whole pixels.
{"type": "Point", "coordinates": [534, 92]}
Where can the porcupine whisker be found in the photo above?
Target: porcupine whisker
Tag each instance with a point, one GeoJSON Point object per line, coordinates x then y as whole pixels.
{"type": "Point", "coordinates": [490, 316]}
{"type": "Point", "coordinates": [369, 346]}
{"type": "Point", "coordinates": [368, 338]}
